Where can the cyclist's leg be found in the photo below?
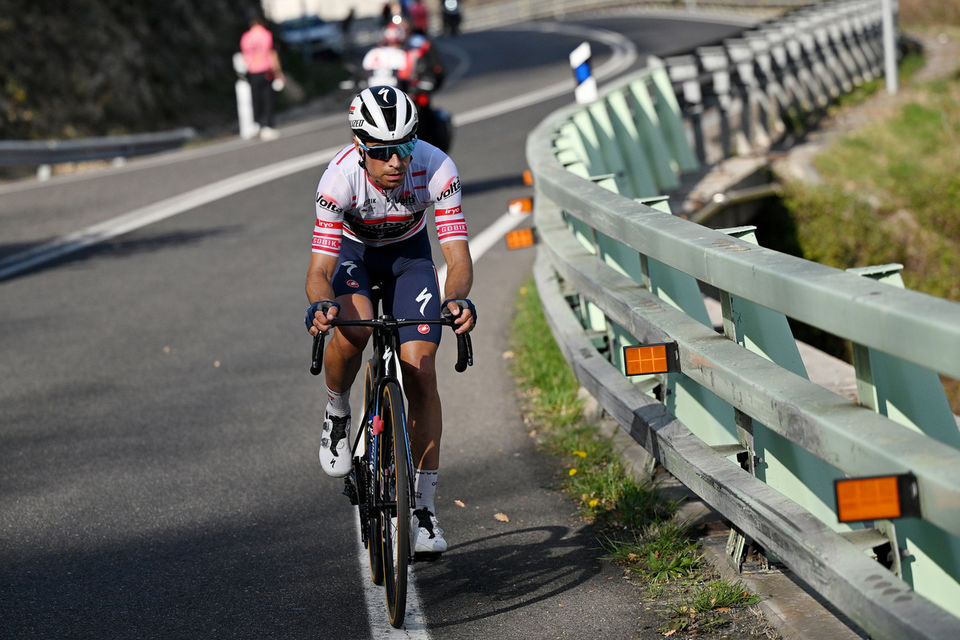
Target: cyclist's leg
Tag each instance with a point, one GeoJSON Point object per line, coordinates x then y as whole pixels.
{"type": "Point", "coordinates": [351, 285]}
{"type": "Point", "coordinates": [416, 294]}
{"type": "Point", "coordinates": [424, 416]}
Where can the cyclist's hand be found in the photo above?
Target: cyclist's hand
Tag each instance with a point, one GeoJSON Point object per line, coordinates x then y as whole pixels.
{"type": "Point", "coordinates": [319, 315]}
{"type": "Point", "coordinates": [464, 312]}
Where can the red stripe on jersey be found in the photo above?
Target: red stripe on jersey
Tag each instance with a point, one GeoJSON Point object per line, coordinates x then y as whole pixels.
{"type": "Point", "coordinates": [323, 224]}
{"type": "Point", "coordinates": [400, 218]}
{"type": "Point", "coordinates": [455, 211]}
{"type": "Point", "coordinates": [418, 173]}
{"type": "Point", "coordinates": [344, 156]}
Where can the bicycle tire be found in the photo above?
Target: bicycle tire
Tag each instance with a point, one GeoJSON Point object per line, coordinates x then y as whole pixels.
{"type": "Point", "coordinates": [372, 522]}
{"type": "Point", "coordinates": [395, 492]}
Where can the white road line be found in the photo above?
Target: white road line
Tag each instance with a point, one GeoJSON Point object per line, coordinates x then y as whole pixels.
{"type": "Point", "coordinates": [158, 211]}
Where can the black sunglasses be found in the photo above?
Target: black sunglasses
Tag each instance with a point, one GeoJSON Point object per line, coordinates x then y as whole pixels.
{"type": "Point", "coordinates": [385, 151]}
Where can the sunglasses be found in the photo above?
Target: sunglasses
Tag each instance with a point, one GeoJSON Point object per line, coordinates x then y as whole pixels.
{"type": "Point", "coordinates": [386, 151]}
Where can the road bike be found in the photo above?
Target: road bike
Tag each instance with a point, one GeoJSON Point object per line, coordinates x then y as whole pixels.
{"type": "Point", "coordinates": [381, 483]}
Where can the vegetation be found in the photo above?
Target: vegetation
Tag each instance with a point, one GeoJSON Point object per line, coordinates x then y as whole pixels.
{"type": "Point", "coordinates": [99, 67]}
{"type": "Point", "coordinates": [634, 522]}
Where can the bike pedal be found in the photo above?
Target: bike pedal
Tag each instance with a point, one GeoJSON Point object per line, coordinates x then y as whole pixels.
{"type": "Point", "coordinates": [425, 556]}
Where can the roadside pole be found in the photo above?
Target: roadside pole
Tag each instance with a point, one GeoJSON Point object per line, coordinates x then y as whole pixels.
{"type": "Point", "coordinates": [889, 47]}
{"type": "Point", "coordinates": [244, 98]}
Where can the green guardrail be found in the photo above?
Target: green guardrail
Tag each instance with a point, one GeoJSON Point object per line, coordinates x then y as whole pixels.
{"type": "Point", "coordinates": [615, 269]}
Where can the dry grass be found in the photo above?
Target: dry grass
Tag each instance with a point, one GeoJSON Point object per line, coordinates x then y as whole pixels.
{"type": "Point", "coordinates": [929, 12]}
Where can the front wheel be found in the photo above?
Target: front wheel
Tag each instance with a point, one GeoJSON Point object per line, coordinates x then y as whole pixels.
{"type": "Point", "coordinates": [395, 483]}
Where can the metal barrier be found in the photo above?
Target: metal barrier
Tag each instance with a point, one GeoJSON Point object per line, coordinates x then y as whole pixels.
{"type": "Point", "coordinates": [507, 12]}
{"type": "Point", "coordinates": [47, 152]}
{"type": "Point", "coordinates": [615, 268]}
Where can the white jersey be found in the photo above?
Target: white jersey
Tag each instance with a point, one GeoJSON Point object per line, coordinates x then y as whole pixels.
{"type": "Point", "coordinates": [349, 204]}
{"type": "Point", "coordinates": [385, 65]}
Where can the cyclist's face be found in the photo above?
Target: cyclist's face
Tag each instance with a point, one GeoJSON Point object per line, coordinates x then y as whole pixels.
{"type": "Point", "coordinates": [386, 174]}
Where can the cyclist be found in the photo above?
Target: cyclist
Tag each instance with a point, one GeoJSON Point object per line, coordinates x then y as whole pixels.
{"type": "Point", "coordinates": [371, 226]}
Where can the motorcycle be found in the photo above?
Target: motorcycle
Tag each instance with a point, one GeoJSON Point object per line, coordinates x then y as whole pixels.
{"type": "Point", "coordinates": [451, 17]}
{"type": "Point", "coordinates": [436, 125]}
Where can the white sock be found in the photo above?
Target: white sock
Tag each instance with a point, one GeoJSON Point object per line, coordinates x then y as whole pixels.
{"type": "Point", "coordinates": [425, 485]}
{"type": "Point", "coordinates": [338, 404]}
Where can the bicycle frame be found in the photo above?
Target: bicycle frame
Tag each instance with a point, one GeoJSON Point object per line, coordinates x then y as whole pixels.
{"type": "Point", "coordinates": [385, 367]}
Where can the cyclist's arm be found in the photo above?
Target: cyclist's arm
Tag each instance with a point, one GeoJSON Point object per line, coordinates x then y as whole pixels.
{"type": "Point", "coordinates": [319, 287]}
{"type": "Point", "coordinates": [459, 280]}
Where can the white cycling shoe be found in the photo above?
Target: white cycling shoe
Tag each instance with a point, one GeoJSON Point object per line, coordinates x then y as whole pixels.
{"type": "Point", "coordinates": [426, 531]}
{"type": "Point", "coordinates": [334, 446]}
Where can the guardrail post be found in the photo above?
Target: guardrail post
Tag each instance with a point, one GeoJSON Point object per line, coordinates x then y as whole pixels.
{"type": "Point", "coordinates": [834, 28]}
{"type": "Point", "coordinates": [835, 71]}
{"type": "Point", "coordinates": [613, 157]}
{"type": "Point", "coordinates": [787, 467]}
{"type": "Point", "coordinates": [814, 59]}
{"type": "Point", "coordinates": [776, 98]}
{"type": "Point", "coordinates": [669, 116]}
{"type": "Point", "coordinates": [799, 97]}
{"type": "Point", "coordinates": [799, 64]}
{"type": "Point", "coordinates": [647, 169]}
{"type": "Point", "coordinates": [715, 62]}
{"type": "Point", "coordinates": [756, 108]}
{"type": "Point", "coordinates": [848, 33]}
{"type": "Point", "coordinates": [914, 397]}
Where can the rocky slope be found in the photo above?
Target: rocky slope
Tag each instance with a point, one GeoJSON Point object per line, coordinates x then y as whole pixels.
{"type": "Point", "coordinates": [97, 67]}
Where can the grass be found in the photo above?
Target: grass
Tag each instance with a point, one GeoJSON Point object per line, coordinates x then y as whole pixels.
{"type": "Point", "coordinates": [635, 524]}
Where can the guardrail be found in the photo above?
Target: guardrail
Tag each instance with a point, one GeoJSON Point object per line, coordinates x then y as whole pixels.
{"type": "Point", "coordinates": [498, 14]}
{"type": "Point", "coordinates": [48, 152]}
{"type": "Point", "coordinates": [615, 268]}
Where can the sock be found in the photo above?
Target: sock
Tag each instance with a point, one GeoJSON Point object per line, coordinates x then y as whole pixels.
{"type": "Point", "coordinates": [425, 485]}
{"type": "Point", "coordinates": [338, 404]}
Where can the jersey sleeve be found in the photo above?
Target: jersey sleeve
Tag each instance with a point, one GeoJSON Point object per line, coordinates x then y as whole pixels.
{"type": "Point", "coordinates": [333, 191]}
{"type": "Point", "coordinates": [448, 214]}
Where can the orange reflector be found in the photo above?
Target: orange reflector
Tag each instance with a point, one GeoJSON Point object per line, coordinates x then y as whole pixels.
{"type": "Point", "coordinates": [520, 205]}
{"type": "Point", "coordinates": [877, 498]}
{"type": "Point", "coordinates": [528, 178]}
{"type": "Point", "coordinates": [520, 239]}
{"type": "Point", "coordinates": [651, 358]}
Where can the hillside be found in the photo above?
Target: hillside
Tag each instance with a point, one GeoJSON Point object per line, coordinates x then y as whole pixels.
{"type": "Point", "coordinates": [96, 67]}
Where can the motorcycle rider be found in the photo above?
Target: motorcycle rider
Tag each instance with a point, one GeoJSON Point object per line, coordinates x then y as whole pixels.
{"type": "Point", "coordinates": [387, 62]}
{"type": "Point", "coordinates": [412, 64]}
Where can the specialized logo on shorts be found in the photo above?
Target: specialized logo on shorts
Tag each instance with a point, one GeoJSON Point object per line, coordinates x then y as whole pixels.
{"type": "Point", "coordinates": [424, 297]}
{"type": "Point", "coordinates": [329, 205]}
{"type": "Point", "coordinates": [423, 328]}
{"type": "Point", "coordinates": [353, 283]}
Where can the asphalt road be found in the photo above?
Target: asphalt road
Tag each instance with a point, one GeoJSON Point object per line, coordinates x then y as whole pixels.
{"type": "Point", "coordinates": [158, 426]}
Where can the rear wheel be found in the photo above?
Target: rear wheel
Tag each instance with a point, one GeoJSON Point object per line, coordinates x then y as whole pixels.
{"type": "Point", "coordinates": [374, 527]}
{"type": "Point", "coordinates": [394, 476]}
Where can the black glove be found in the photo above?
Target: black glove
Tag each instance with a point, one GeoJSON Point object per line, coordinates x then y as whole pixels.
{"type": "Point", "coordinates": [323, 306]}
{"type": "Point", "coordinates": [463, 303]}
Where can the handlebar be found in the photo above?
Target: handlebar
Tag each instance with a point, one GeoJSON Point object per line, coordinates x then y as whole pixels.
{"type": "Point", "coordinates": [464, 343]}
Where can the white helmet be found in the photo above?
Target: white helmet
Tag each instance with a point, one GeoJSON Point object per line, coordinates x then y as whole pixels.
{"type": "Point", "coordinates": [383, 114]}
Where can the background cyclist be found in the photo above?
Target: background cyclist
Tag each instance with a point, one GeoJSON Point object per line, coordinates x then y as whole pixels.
{"type": "Point", "coordinates": [371, 225]}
